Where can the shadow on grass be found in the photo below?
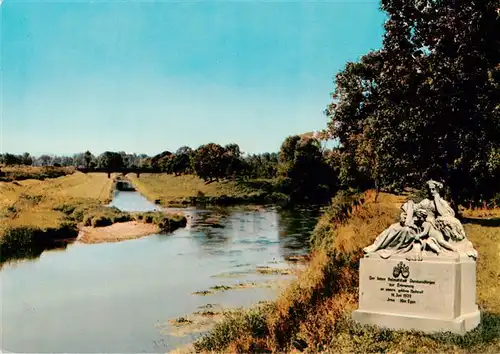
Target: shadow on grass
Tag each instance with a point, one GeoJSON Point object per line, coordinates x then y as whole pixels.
{"type": "Point", "coordinates": [492, 222]}
{"type": "Point", "coordinates": [264, 185]}
{"type": "Point", "coordinates": [487, 332]}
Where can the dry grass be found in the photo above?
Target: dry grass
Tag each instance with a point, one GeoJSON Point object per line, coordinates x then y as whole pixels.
{"type": "Point", "coordinates": [170, 189]}
{"type": "Point", "coordinates": [486, 239]}
{"type": "Point", "coordinates": [18, 173]}
{"type": "Point", "coordinates": [313, 314]}
{"type": "Point", "coordinates": [483, 212]}
{"type": "Point", "coordinates": [32, 202]}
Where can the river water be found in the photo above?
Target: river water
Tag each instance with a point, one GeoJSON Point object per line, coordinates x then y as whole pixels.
{"type": "Point", "coordinates": [119, 297]}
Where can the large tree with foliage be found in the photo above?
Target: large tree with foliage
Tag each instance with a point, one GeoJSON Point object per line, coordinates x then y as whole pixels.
{"type": "Point", "coordinates": [161, 161]}
{"type": "Point", "coordinates": [260, 165]}
{"type": "Point", "coordinates": [232, 162]}
{"type": "Point", "coordinates": [208, 161]}
{"type": "Point", "coordinates": [181, 162]}
{"type": "Point", "coordinates": [306, 174]}
{"type": "Point", "coordinates": [111, 161]}
{"type": "Point", "coordinates": [427, 104]}
{"type": "Point", "coordinates": [88, 158]}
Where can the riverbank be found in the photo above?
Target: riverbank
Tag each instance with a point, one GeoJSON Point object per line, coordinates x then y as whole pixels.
{"type": "Point", "coordinates": [40, 204]}
{"type": "Point", "coordinates": [314, 313]}
{"type": "Point", "coordinates": [36, 215]}
{"type": "Point", "coordinates": [228, 266]}
{"type": "Point", "coordinates": [171, 190]}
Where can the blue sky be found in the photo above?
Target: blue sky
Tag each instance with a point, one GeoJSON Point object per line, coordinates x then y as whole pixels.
{"type": "Point", "coordinates": [146, 77]}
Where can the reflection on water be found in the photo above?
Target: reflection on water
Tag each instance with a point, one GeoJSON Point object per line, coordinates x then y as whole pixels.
{"type": "Point", "coordinates": [111, 297]}
{"type": "Point", "coordinates": [132, 201]}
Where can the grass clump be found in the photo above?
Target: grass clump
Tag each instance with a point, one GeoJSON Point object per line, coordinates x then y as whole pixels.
{"type": "Point", "coordinates": [166, 222]}
{"type": "Point", "coordinates": [206, 313]}
{"type": "Point", "coordinates": [104, 216]}
{"type": "Point", "coordinates": [221, 287]}
{"type": "Point", "coordinates": [29, 242]}
{"type": "Point", "coordinates": [202, 292]}
{"type": "Point", "coordinates": [181, 321]}
{"type": "Point", "coordinates": [231, 332]}
{"type": "Point", "coordinates": [314, 313]}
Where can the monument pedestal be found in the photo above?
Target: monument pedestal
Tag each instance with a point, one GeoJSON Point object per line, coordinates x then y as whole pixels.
{"type": "Point", "coordinates": [437, 294]}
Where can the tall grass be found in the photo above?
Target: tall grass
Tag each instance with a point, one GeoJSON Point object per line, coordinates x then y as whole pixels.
{"type": "Point", "coordinates": [29, 242]}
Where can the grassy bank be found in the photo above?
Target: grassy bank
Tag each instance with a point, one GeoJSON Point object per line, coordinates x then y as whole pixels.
{"type": "Point", "coordinates": [37, 203]}
{"type": "Point", "coordinates": [190, 190]}
{"type": "Point", "coordinates": [32, 212]}
{"type": "Point", "coordinates": [35, 214]}
{"type": "Point", "coordinates": [313, 314]}
{"type": "Point", "coordinates": [21, 173]}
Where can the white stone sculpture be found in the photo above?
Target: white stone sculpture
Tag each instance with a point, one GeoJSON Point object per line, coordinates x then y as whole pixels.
{"type": "Point", "coordinates": [425, 228]}
{"type": "Point", "coordinates": [420, 273]}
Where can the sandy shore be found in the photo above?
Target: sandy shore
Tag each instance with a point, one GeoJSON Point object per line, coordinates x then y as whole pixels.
{"type": "Point", "coordinates": [116, 232]}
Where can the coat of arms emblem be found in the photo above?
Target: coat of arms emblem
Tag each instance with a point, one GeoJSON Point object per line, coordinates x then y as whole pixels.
{"type": "Point", "coordinates": [401, 269]}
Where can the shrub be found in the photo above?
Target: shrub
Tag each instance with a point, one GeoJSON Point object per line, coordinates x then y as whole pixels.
{"type": "Point", "coordinates": [234, 325]}
{"type": "Point", "coordinates": [25, 241]}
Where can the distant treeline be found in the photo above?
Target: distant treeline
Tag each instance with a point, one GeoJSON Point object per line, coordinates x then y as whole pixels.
{"type": "Point", "coordinates": [300, 168]}
{"type": "Point", "coordinates": [224, 161]}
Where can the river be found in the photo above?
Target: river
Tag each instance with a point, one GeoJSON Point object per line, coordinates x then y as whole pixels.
{"type": "Point", "coordinates": [119, 297]}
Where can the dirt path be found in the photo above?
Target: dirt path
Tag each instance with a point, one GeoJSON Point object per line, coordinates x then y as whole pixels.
{"type": "Point", "coordinates": [116, 232]}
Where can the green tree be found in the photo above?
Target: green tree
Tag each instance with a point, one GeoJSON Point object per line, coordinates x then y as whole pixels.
{"type": "Point", "coordinates": [27, 159]}
{"type": "Point", "coordinates": [307, 176]}
{"type": "Point", "coordinates": [181, 163]}
{"type": "Point", "coordinates": [45, 160]}
{"type": "Point", "coordinates": [87, 158]}
{"type": "Point", "coordinates": [161, 161]}
{"type": "Point", "coordinates": [232, 162]}
{"type": "Point", "coordinates": [208, 161]}
{"type": "Point", "coordinates": [11, 159]}
{"type": "Point", "coordinates": [427, 104]}
{"type": "Point", "coordinates": [67, 161]}
{"type": "Point", "coordinates": [110, 161]}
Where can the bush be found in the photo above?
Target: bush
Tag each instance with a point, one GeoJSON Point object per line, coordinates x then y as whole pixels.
{"type": "Point", "coordinates": [100, 221]}
{"type": "Point", "coordinates": [235, 325]}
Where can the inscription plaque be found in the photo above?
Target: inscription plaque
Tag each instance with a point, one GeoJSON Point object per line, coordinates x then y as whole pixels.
{"type": "Point", "coordinates": [426, 295]}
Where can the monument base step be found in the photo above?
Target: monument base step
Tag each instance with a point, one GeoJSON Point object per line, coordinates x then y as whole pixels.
{"type": "Point", "coordinates": [459, 325]}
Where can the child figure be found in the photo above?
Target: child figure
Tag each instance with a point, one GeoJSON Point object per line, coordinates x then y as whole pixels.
{"type": "Point", "coordinates": [429, 236]}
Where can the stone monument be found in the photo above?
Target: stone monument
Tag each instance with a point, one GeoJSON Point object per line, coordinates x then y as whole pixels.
{"type": "Point", "coordinates": [420, 273]}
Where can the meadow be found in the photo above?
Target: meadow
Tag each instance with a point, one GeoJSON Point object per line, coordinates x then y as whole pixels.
{"type": "Point", "coordinates": [313, 313]}
{"type": "Point", "coordinates": [36, 202]}
{"type": "Point", "coordinates": [168, 189]}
